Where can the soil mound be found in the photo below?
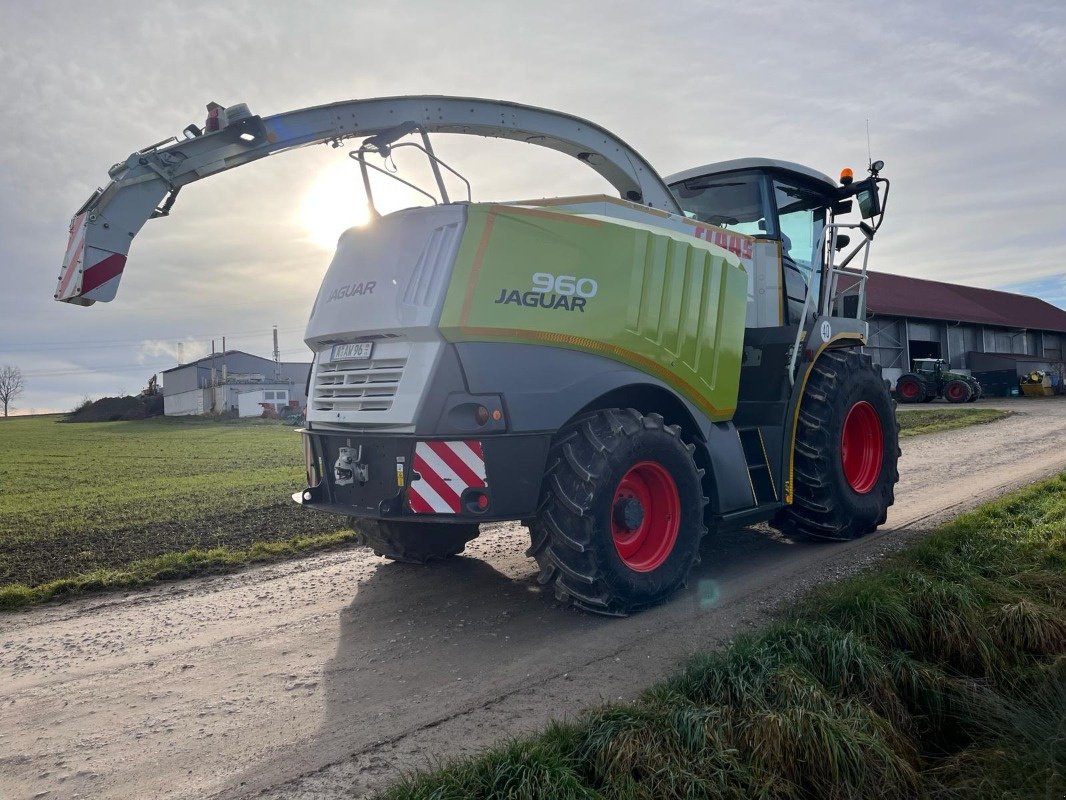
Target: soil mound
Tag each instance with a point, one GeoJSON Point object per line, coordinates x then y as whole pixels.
{"type": "Point", "coordinates": [113, 409]}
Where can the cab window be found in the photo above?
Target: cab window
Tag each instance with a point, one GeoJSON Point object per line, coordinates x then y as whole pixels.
{"type": "Point", "coordinates": [735, 201]}
{"type": "Point", "coordinates": [801, 218]}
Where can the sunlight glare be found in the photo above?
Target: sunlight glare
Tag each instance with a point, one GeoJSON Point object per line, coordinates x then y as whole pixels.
{"type": "Point", "coordinates": [334, 202]}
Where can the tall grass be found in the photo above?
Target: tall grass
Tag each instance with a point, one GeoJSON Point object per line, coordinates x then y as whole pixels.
{"type": "Point", "coordinates": [941, 674]}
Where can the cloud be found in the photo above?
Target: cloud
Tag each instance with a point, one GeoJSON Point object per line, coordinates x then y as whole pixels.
{"type": "Point", "coordinates": [966, 104]}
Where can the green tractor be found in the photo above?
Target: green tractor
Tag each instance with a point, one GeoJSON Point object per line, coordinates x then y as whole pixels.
{"type": "Point", "coordinates": [622, 374]}
{"type": "Point", "coordinates": [931, 379]}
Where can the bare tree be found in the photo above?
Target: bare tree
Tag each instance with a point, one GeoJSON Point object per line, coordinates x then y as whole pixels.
{"type": "Point", "coordinates": [12, 385]}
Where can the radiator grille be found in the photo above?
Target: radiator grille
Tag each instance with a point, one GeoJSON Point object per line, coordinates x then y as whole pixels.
{"type": "Point", "coordinates": [357, 385]}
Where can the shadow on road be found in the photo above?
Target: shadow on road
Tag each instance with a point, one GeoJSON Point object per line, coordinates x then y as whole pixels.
{"type": "Point", "coordinates": [420, 643]}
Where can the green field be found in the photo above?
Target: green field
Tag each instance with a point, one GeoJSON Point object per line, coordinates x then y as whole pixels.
{"type": "Point", "coordinates": [84, 498]}
{"type": "Point", "coordinates": [913, 421]}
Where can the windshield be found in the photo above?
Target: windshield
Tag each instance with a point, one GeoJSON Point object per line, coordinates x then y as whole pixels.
{"type": "Point", "coordinates": [737, 202]}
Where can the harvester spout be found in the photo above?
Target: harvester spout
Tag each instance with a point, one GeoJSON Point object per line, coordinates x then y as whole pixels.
{"type": "Point", "coordinates": [103, 228]}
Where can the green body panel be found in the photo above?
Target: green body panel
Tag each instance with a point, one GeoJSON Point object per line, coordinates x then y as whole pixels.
{"type": "Point", "coordinates": [669, 304]}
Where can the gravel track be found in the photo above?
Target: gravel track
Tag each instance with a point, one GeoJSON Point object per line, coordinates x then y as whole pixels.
{"type": "Point", "coordinates": [328, 676]}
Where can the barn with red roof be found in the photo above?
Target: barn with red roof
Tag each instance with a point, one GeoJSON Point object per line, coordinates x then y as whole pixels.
{"type": "Point", "coordinates": [974, 330]}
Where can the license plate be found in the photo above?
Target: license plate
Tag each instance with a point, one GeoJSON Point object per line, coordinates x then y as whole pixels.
{"type": "Point", "coordinates": [356, 351]}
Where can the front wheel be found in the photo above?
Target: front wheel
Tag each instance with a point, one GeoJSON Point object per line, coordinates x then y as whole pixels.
{"type": "Point", "coordinates": [846, 451]}
{"type": "Point", "coordinates": [621, 515]}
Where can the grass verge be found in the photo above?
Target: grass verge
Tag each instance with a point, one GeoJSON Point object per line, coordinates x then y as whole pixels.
{"type": "Point", "coordinates": [940, 674]}
{"type": "Point", "coordinates": [170, 566]}
{"type": "Point", "coordinates": [913, 422]}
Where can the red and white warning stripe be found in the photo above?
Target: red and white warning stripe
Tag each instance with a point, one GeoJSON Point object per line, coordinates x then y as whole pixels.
{"type": "Point", "coordinates": [87, 269]}
{"type": "Point", "coordinates": [442, 471]}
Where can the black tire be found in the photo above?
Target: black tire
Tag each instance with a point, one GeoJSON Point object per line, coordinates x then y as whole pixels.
{"type": "Point", "coordinates": [957, 391]}
{"type": "Point", "coordinates": [910, 389]}
{"type": "Point", "coordinates": [826, 505]}
{"type": "Point", "coordinates": [413, 542]}
{"type": "Point", "coordinates": [584, 505]}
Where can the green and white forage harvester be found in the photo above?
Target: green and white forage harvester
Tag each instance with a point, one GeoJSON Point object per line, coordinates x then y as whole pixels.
{"type": "Point", "coordinates": [621, 374]}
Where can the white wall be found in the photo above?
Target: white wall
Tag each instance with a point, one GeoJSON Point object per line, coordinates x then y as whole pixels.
{"type": "Point", "coordinates": [184, 403]}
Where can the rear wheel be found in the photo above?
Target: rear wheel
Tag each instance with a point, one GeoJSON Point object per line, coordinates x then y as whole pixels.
{"type": "Point", "coordinates": [846, 451]}
{"type": "Point", "coordinates": [621, 516]}
{"type": "Point", "coordinates": [910, 390]}
{"type": "Point", "coordinates": [413, 542]}
{"type": "Point", "coordinates": [957, 392]}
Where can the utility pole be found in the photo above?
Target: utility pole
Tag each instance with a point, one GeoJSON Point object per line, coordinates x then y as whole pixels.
{"type": "Point", "coordinates": [277, 356]}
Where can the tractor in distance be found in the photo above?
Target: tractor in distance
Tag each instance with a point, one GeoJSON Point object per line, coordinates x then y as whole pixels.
{"type": "Point", "coordinates": [622, 374]}
{"type": "Point", "coordinates": [930, 378]}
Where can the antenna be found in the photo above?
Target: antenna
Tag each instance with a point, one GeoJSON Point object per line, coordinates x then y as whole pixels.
{"type": "Point", "coordinates": [869, 150]}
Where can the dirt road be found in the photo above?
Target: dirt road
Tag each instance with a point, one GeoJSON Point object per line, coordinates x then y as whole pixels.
{"type": "Point", "coordinates": [327, 677]}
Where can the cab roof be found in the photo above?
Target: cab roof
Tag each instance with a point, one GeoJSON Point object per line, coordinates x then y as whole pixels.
{"type": "Point", "coordinates": [737, 164]}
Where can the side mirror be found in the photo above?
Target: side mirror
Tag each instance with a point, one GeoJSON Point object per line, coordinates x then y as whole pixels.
{"type": "Point", "coordinates": [841, 207]}
{"type": "Point", "coordinates": [843, 240]}
{"type": "Point", "coordinates": [869, 200]}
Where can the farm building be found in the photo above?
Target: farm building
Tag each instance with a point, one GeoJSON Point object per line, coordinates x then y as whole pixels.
{"type": "Point", "coordinates": [214, 384]}
{"type": "Point", "coordinates": [995, 336]}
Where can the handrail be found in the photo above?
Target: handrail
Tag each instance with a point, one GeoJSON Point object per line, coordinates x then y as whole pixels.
{"type": "Point", "coordinates": [833, 272]}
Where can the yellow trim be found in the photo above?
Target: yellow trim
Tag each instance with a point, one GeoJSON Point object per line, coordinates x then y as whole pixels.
{"type": "Point", "coordinates": [558, 216]}
{"type": "Point", "coordinates": [795, 417]}
{"type": "Point", "coordinates": [620, 353]}
{"type": "Point", "coordinates": [597, 198]}
{"type": "Point", "coordinates": [618, 201]}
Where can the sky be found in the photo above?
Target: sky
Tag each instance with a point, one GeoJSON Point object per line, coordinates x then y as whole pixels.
{"type": "Point", "coordinates": [966, 103]}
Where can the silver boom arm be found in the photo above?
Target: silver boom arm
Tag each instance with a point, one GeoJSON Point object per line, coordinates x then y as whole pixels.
{"type": "Point", "coordinates": [104, 227]}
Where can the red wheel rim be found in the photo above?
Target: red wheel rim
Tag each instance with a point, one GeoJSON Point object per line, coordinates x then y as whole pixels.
{"type": "Point", "coordinates": [645, 516]}
{"type": "Point", "coordinates": [862, 447]}
{"type": "Point", "coordinates": [955, 391]}
{"type": "Point", "coordinates": [908, 389]}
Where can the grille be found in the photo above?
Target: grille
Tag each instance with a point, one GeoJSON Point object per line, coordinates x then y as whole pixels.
{"type": "Point", "coordinates": [357, 385]}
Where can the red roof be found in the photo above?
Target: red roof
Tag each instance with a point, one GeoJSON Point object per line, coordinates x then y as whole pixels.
{"type": "Point", "coordinates": [901, 296]}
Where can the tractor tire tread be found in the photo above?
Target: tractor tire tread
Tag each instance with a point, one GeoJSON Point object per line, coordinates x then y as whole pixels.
{"type": "Point", "coordinates": [561, 536]}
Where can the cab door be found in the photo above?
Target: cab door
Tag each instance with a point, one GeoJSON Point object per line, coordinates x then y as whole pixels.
{"type": "Point", "coordinates": [800, 214]}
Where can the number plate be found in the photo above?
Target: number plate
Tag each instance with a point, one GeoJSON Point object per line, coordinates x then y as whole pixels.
{"type": "Point", "coordinates": [357, 351]}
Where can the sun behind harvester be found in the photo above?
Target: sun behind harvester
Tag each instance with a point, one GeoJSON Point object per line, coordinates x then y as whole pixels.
{"type": "Point", "coordinates": [622, 374]}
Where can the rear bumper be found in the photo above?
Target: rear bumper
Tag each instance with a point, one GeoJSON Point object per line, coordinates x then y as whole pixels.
{"type": "Point", "coordinates": [371, 476]}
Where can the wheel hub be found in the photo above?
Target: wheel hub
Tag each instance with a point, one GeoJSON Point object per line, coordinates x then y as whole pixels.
{"type": "Point", "coordinates": [645, 516]}
{"type": "Point", "coordinates": [628, 513]}
{"type": "Point", "coordinates": [862, 444]}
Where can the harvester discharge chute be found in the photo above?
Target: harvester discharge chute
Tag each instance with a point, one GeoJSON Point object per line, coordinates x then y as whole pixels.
{"type": "Point", "coordinates": [146, 184]}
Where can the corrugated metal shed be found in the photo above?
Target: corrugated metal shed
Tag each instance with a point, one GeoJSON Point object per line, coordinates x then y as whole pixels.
{"type": "Point", "coordinates": [898, 295]}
